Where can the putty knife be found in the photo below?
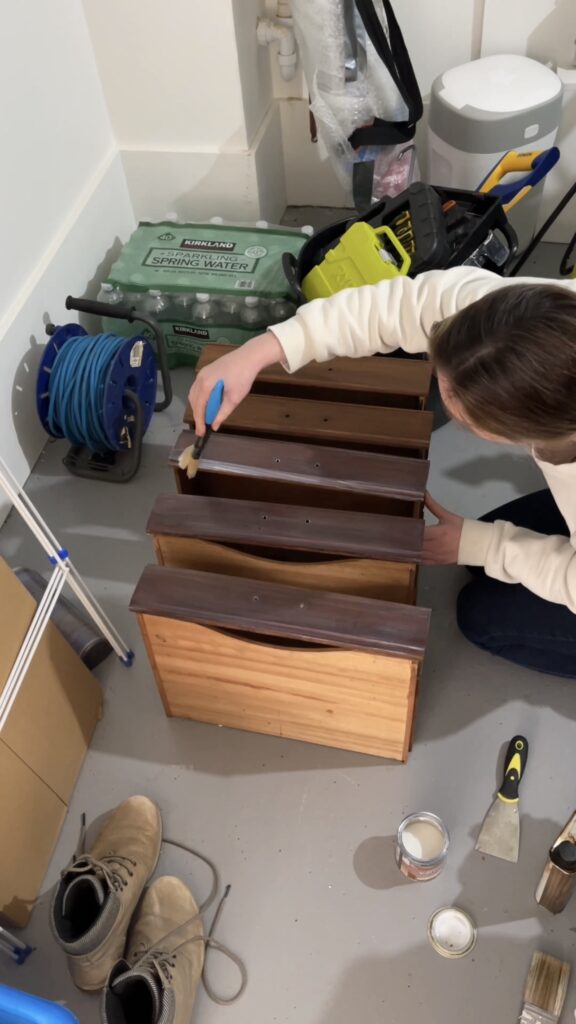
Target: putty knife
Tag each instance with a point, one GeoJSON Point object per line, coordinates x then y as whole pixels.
{"type": "Point", "coordinates": [500, 833]}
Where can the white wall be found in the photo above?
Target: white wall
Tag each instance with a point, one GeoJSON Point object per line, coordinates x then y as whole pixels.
{"type": "Point", "coordinates": [191, 103]}
{"type": "Point", "coordinates": [64, 203]}
{"type": "Point", "coordinates": [169, 72]}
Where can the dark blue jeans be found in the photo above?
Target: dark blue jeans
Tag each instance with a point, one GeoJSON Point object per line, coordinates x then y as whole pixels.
{"type": "Point", "coordinates": [509, 620]}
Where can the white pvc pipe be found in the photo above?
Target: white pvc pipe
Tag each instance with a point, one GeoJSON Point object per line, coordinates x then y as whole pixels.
{"type": "Point", "coordinates": [29, 513]}
{"type": "Point", "coordinates": [31, 641]}
{"type": "Point", "coordinates": [53, 549]}
{"type": "Point", "coordinates": [97, 614]}
{"type": "Point", "coordinates": [270, 31]}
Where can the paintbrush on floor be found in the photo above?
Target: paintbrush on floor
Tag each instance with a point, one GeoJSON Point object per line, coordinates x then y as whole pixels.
{"type": "Point", "coordinates": [545, 990]}
{"type": "Point", "coordinates": [189, 458]}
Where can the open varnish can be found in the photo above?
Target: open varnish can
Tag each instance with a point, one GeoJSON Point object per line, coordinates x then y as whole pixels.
{"type": "Point", "coordinates": [422, 846]}
{"type": "Point", "coordinates": [452, 932]}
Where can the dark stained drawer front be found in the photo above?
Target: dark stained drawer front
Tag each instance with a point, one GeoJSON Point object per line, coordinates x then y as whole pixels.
{"type": "Point", "coordinates": [290, 527]}
{"type": "Point", "coordinates": [249, 606]}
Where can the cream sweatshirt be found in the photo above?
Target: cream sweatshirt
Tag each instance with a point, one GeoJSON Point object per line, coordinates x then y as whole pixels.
{"type": "Point", "coordinates": [399, 314]}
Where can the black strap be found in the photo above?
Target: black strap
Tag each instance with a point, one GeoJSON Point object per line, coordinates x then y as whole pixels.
{"type": "Point", "coordinates": [362, 185]}
{"type": "Point", "coordinates": [395, 56]}
{"type": "Point", "coordinates": [383, 133]}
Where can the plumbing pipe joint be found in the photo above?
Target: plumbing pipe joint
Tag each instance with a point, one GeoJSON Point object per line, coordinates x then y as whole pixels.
{"type": "Point", "coordinates": [280, 31]}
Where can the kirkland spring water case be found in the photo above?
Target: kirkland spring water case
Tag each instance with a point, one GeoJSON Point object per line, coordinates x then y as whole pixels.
{"type": "Point", "coordinates": [203, 283]}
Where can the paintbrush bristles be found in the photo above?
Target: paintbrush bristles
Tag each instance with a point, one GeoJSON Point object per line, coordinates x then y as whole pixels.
{"type": "Point", "coordinates": [545, 990]}
{"type": "Point", "coordinates": [188, 462]}
{"type": "Point", "coordinates": [192, 468]}
{"type": "Point", "coordinates": [189, 458]}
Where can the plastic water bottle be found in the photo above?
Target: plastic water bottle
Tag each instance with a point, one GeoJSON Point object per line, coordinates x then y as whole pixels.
{"type": "Point", "coordinates": [203, 309]}
{"type": "Point", "coordinates": [252, 312]}
{"type": "Point", "coordinates": [154, 304]}
{"type": "Point", "coordinates": [183, 306]}
{"type": "Point", "coordinates": [134, 299]}
{"type": "Point", "coordinates": [230, 307]}
{"type": "Point", "coordinates": [281, 309]}
{"type": "Point", "coordinates": [110, 295]}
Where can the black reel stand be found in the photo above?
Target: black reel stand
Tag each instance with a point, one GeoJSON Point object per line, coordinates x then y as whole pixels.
{"type": "Point", "coordinates": [117, 467]}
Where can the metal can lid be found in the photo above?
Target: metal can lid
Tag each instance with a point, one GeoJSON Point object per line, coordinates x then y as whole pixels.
{"type": "Point", "coordinates": [452, 932]}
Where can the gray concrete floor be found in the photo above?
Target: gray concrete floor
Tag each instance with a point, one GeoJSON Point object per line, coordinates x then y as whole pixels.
{"type": "Point", "coordinates": [329, 929]}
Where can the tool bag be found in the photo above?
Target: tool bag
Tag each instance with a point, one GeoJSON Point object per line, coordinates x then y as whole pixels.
{"type": "Point", "coordinates": [449, 227]}
{"type": "Point", "coordinates": [437, 244]}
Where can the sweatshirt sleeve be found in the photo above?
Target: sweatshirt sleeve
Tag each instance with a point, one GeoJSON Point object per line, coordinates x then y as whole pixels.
{"type": "Point", "coordinates": [397, 313]}
{"type": "Point", "coordinates": [546, 565]}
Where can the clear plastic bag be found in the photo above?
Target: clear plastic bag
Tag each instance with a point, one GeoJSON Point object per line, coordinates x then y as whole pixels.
{"type": "Point", "coordinates": [355, 81]}
{"type": "Point", "coordinates": [395, 168]}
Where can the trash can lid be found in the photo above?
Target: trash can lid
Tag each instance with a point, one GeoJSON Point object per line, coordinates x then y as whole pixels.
{"type": "Point", "coordinates": [495, 104]}
{"type": "Point", "coordinates": [502, 84]}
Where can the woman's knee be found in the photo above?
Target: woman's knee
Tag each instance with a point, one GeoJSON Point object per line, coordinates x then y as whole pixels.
{"type": "Point", "coordinates": [472, 613]}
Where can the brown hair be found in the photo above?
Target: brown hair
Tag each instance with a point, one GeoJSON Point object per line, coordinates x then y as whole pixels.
{"type": "Point", "coordinates": [510, 361]}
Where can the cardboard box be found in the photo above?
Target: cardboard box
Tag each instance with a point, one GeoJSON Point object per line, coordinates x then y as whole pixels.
{"type": "Point", "coordinates": [42, 747]}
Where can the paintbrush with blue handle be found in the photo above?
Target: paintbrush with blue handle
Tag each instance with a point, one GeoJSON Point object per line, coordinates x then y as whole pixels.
{"type": "Point", "coordinates": [190, 457]}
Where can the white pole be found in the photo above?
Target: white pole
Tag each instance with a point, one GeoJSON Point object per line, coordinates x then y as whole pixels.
{"type": "Point", "coordinates": [98, 615]}
{"type": "Point", "coordinates": [30, 642]}
{"type": "Point", "coordinates": [64, 572]}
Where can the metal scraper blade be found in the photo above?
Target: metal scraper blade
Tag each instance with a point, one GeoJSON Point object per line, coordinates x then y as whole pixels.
{"type": "Point", "coordinates": [500, 833]}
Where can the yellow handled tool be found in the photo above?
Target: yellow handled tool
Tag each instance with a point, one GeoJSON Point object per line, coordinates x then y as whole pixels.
{"type": "Point", "coordinates": [500, 833]}
{"type": "Point", "coordinates": [537, 163]}
{"type": "Point", "coordinates": [364, 255]}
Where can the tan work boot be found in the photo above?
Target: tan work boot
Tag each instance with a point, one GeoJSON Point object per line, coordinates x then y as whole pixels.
{"type": "Point", "coordinates": [156, 983]}
{"type": "Point", "coordinates": [99, 890]}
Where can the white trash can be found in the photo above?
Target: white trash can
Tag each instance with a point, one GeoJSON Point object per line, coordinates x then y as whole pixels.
{"type": "Point", "coordinates": [479, 111]}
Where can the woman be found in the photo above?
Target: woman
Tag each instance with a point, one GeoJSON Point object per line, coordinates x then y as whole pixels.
{"type": "Point", "coordinates": [505, 355]}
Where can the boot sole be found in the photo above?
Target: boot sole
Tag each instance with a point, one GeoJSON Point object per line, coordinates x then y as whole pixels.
{"type": "Point", "coordinates": [100, 986]}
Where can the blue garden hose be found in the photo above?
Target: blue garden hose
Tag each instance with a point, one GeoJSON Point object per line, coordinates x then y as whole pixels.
{"type": "Point", "coordinates": [77, 390]}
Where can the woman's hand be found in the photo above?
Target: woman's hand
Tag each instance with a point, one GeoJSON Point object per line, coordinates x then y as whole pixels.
{"type": "Point", "coordinates": [441, 542]}
{"type": "Point", "coordinates": [237, 369]}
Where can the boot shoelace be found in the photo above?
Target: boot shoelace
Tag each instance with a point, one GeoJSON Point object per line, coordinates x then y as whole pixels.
{"type": "Point", "coordinates": [110, 867]}
{"type": "Point", "coordinates": [162, 960]}
{"type": "Point", "coordinates": [114, 868]}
